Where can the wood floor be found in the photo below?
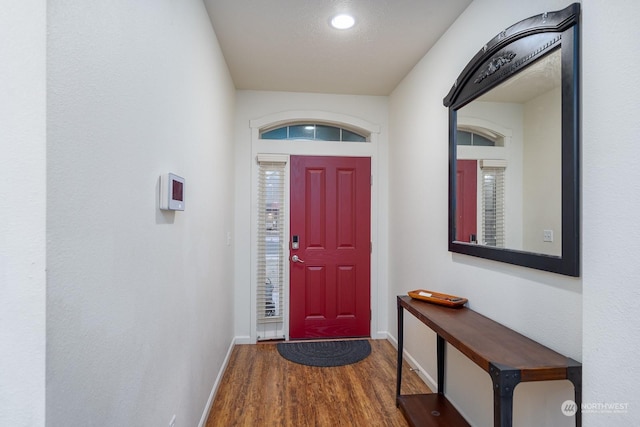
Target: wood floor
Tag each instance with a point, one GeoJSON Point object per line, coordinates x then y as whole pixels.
{"type": "Point", "coordinates": [260, 388]}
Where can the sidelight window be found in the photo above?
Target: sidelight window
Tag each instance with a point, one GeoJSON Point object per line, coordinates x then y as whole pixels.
{"type": "Point", "coordinates": [493, 226]}
{"type": "Point", "coordinates": [270, 265]}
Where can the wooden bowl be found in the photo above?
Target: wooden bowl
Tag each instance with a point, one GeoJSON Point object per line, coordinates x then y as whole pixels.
{"type": "Point", "coordinates": [438, 298]}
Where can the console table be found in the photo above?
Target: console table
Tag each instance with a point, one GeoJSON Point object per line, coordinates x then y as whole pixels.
{"type": "Point", "coordinates": [508, 357]}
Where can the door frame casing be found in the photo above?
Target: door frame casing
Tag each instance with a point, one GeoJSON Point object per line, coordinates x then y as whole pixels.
{"type": "Point", "coordinates": [317, 148]}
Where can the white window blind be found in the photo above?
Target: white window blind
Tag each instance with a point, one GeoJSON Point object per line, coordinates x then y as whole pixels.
{"type": "Point", "coordinates": [493, 227]}
{"type": "Point", "coordinates": [270, 263]}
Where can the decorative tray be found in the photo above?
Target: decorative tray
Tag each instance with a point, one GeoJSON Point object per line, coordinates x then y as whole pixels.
{"type": "Point", "coordinates": [438, 298]}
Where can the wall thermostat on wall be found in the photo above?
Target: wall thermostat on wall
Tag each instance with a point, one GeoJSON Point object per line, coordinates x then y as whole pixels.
{"type": "Point", "coordinates": [171, 192]}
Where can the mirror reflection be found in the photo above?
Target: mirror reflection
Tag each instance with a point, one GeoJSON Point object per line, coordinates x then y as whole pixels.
{"type": "Point", "coordinates": [509, 163]}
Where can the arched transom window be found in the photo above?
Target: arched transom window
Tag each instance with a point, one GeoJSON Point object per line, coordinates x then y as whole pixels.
{"type": "Point", "coordinates": [479, 137]}
{"type": "Point", "coordinates": [314, 132]}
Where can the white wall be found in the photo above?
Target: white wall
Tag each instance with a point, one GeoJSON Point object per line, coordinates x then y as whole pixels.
{"type": "Point", "coordinates": [253, 105]}
{"type": "Point", "coordinates": [611, 201]}
{"type": "Point", "coordinates": [542, 170]}
{"type": "Point", "coordinates": [139, 303]}
{"type": "Point", "coordinates": [22, 215]}
{"type": "Point", "coordinates": [544, 306]}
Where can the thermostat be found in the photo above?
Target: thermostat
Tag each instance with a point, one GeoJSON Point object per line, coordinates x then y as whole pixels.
{"type": "Point", "coordinates": [171, 192]}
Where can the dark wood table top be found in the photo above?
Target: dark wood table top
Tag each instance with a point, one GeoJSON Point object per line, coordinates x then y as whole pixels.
{"type": "Point", "coordinates": [486, 341]}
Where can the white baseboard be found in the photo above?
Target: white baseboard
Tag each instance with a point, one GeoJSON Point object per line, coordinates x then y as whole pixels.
{"type": "Point", "coordinates": [380, 335]}
{"type": "Point", "coordinates": [243, 340]}
{"type": "Point", "coordinates": [216, 384]}
{"type": "Point", "coordinates": [422, 373]}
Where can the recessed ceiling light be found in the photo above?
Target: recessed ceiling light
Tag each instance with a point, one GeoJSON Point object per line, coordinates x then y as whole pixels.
{"type": "Point", "coordinates": [342, 22]}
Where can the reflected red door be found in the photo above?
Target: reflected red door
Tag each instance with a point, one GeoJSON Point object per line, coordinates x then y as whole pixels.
{"type": "Point", "coordinates": [466, 200]}
{"type": "Point", "coordinates": [331, 217]}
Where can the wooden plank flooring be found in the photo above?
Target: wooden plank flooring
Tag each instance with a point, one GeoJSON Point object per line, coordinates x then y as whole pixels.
{"type": "Point", "coordinates": [260, 388]}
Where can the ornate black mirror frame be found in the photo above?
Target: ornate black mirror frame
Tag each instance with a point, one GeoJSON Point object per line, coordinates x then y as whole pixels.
{"type": "Point", "coordinates": [501, 58]}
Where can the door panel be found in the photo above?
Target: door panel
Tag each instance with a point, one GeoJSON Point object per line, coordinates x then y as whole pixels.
{"type": "Point", "coordinates": [331, 214]}
{"type": "Point", "coordinates": [315, 207]}
{"type": "Point", "coordinates": [315, 295]}
{"type": "Point", "coordinates": [346, 298]}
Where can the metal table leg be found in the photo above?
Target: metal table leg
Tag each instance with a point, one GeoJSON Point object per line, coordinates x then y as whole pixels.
{"type": "Point", "coordinates": [400, 349]}
{"type": "Point", "coordinates": [505, 379]}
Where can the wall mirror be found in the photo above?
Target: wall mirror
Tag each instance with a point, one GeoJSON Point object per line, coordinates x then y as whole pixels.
{"type": "Point", "coordinates": [513, 147]}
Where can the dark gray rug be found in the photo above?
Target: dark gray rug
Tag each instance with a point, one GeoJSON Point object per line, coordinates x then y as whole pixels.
{"type": "Point", "coordinates": [325, 353]}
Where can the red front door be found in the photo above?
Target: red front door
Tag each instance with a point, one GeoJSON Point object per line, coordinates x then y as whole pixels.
{"type": "Point", "coordinates": [466, 200]}
{"type": "Point", "coordinates": [331, 221]}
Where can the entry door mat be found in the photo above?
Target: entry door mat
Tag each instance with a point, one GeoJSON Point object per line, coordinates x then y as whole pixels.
{"type": "Point", "coordinates": [325, 353]}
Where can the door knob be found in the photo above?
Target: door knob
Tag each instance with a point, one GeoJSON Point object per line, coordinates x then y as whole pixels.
{"type": "Point", "coordinates": [296, 258]}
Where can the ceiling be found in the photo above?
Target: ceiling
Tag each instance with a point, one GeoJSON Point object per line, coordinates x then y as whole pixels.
{"type": "Point", "coordinates": [288, 45]}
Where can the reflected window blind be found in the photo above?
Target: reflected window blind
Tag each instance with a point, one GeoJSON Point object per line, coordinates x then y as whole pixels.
{"type": "Point", "coordinates": [270, 280]}
{"type": "Point", "coordinates": [493, 227]}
